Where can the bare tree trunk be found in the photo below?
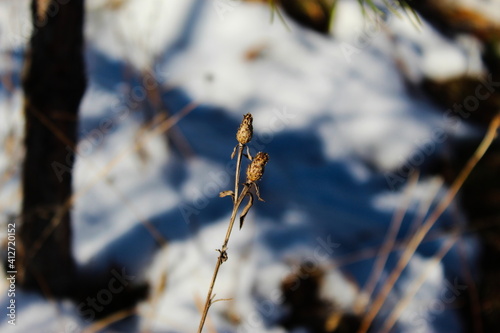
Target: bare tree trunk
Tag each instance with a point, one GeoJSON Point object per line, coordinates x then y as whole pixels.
{"type": "Point", "coordinates": [54, 83]}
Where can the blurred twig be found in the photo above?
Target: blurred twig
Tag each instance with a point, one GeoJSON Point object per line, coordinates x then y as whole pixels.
{"type": "Point", "coordinates": [387, 246]}
{"type": "Point", "coordinates": [422, 232]}
{"type": "Point", "coordinates": [412, 290]}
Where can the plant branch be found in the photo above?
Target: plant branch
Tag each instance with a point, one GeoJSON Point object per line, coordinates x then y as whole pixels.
{"type": "Point", "coordinates": [223, 250]}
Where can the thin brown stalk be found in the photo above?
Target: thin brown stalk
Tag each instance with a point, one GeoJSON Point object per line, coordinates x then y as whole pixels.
{"type": "Point", "coordinates": [417, 284]}
{"type": "Point", "coordinates": [425, 206]}
{"type": "Point", "coordinates": [387, 247]}
{"type": "Point", "coordinates": [106, 322]}
{"type": "Point", "coordinates": [371, 252]}
{"type": "Point", "coordinates": [422, 232]}
{"type": "Point", "coordinates": [254, 173]}
{"type": "Point", "coordinates": [223, 250]}
{"type": "Point", "coordinates": [238, 169]}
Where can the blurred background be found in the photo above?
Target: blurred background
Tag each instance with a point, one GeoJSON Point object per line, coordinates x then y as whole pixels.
{"type": "Point", "coordinates": [118, 122]}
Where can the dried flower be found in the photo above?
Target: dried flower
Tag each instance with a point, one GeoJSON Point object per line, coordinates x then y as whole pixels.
{"type": "Point", "coordinates": [256, 168]}
{"type": "Point", "coordinates": [254, 173]}
{"type": "Point", "coordinates": [245, 131]}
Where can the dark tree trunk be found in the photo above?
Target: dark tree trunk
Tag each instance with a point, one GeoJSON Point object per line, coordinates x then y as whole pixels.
{"type": "Point", "coordinates": [54, 83]}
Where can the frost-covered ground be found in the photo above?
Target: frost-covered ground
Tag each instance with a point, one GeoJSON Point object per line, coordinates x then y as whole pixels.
{"type": "Point", "coordinates": [334, 114]}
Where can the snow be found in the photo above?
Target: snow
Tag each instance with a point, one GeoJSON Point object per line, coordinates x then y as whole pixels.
{"type": "Point", "coordinates": [332, 112]}
{"type": "Point", "coordinates": [435, 56]}
{"type": "Point", "coordinates": [40, 315]}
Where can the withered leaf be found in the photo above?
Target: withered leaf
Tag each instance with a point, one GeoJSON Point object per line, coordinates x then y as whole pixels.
{"type": "Point", "coordinates": [246, 209]}
{"type": "Point", "coordinates": [226, 193]}
{"type": "Point", "coordinates": [234, 151]}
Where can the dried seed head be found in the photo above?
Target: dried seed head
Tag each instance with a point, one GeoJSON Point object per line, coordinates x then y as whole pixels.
{"type": "Point", "coordinates": [245, 131]}
{"type": "Point", "coordinates": [256, 168]}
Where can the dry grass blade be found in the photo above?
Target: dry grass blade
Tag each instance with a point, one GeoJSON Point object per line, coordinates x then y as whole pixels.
{"type": "Point", "coordinates": [425, 205]}
{"type": "Point", "coordinates": [422, 232]}
{"type": "Point", "coordinates": [103, 323]}
{"type": "Point", "coordinates": [371, 252]}
{"type": "Point", "coordinates": [412, 290]}
{"type": "Point", "coordinates": [387, 247]}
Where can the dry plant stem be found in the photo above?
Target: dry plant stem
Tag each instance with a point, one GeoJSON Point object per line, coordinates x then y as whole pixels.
{"type": "Point", "coordinates": [237, 205]}
{"type": "Point", "coordinates": [238, 168]}
{"type": "Point", "coordinates": [387, 247]}
{"type": "Point", "coordinates": [425, 206]}
{"type": "Point", "coordinates": [417, 284]}
{"type": "Point", "coordinates": [371, 252]}
{"type": "Point", "coordinates": [222, 251]}
{"type": "Point", "coordinates": [106, 322]}
{"type": "Point", "coordinates": [222, 257]}
{"type": "Point", "coordinates": [420, 234]}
